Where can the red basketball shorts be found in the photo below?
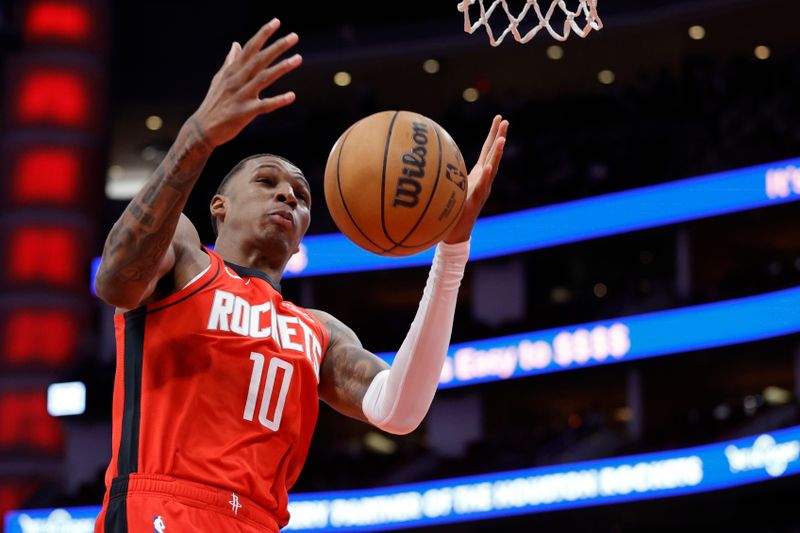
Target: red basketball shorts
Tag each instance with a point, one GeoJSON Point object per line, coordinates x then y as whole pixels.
{"type": "Point", "coordinates": [160, 504]}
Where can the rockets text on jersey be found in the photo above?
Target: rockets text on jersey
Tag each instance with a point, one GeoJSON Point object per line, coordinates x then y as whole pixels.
{"type": "Point", "coordinates": [230, 312]}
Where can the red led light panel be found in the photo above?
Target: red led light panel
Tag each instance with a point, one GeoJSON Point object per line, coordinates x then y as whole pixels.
{"type": "Point", "coordinates": [41, 253]}
{"type": "Point", "coordinates": [69, 21]}
{"type": "Point", "coordinates": [53, 96]}
{"type": "Point", "coordinates": [26, 422]}
{"type": "Point", "coordinates": [48, 175]}
{"type": "Point", "coordinates": [34, 336]}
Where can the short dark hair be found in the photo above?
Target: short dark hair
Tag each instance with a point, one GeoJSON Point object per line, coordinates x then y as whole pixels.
{"type": "Point", "coordinates": [235, 170]}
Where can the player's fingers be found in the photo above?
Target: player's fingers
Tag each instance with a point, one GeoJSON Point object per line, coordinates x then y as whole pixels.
{"type": "Point", "coordinates": [496, 152]}
{"type": "Point", "coordinates": [231, 54]}
{"type": "Point", "coordinates": [257, 41]}
{"type": "Point", "coordinates": [225, 64]}
{"type": "Point", "coordinates": [266, 56]}
{"type": "Point", "coordinates": [229, 57]}
{"type": "Point", "coordinates": [268, 76]}
{"type": "Point", "coordinates": [268, 105]}
{"type": "Point", "coordinates": [485, 185]}
{"type": "Point", "coordinates": [489, 142]}
{"type": "Point", "coordinates": [502, 130]}
{"type": "Point", "coordinates": [487, 145]}
{"type": "Point", "coordinates": [502, 127]}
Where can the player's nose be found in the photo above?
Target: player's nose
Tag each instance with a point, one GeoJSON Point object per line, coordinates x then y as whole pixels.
{"type": "Point", "coordinates": [285, 193]}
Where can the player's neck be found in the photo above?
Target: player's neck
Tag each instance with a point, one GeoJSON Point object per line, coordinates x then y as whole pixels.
{"type": "Point", "coordinates": [250, 257]}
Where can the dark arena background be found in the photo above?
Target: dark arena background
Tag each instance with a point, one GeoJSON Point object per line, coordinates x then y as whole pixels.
{"type": "Point", "coordinates": [625, 352]}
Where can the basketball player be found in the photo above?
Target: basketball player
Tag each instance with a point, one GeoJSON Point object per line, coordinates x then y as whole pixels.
{"type": "Point", "coordinates": [218, 378]}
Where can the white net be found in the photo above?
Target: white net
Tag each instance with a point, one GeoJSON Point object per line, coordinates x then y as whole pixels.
{"type": "Point", "coordinates": [586, 10]}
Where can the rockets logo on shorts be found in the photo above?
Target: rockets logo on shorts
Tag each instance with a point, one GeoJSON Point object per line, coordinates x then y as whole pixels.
{"type": "Point", "coordinates": [158, 524]}
{"type": "Point", "coordinates": [235, 505]}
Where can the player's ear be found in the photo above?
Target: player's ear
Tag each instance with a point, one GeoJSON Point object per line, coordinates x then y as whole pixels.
{"type": "Point", "coordinates": [218, 207]}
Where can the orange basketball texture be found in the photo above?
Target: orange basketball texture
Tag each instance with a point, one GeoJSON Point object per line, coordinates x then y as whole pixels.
{"type": "Point", "coordinates": [395, 182]}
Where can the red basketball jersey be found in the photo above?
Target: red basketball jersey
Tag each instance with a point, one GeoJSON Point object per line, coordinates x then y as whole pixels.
{"type": "Point", "coordinates": [217, 384]}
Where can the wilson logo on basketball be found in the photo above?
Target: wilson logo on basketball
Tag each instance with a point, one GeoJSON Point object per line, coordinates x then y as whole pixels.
{"type": "Point", "coordinates": [395, 183]}
{"type": "Point", "coordinates": [408, 186]}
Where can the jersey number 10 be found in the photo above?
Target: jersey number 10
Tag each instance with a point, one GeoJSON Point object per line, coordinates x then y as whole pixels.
{"type": "Point", "coordinates": [269, 395]}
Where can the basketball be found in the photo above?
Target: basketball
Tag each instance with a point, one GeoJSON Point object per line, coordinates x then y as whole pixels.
{"type": "Point", "coordinates": [395, 182]}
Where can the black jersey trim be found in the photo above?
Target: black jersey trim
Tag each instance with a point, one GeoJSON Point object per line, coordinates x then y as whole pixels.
{"type": "Point", "coordinates": [116, 520]}
{"type": "Point", "coordinates": [247, 272]}
{"type": "Point", "coordinates": [128, 457]}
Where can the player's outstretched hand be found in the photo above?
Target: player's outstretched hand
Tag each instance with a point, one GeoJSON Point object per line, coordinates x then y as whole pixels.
{"type": "Point", "coordinates": [233, 99]}
{"type": "Point", "coordinates": [480, 181]}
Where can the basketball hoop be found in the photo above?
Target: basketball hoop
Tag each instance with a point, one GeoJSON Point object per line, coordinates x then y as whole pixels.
{"type": "Point", "coordinates": [586, 9]}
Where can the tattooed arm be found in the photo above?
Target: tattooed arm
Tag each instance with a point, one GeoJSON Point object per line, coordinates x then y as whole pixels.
{"type": "Point", "coordinates": [347, 369]}
{"type": "Point", "coordinates": [396, 399]}
{"type": "Point", "coordinates": [140, 248]}
{"type": "Point", "coordinates": [144, 246]}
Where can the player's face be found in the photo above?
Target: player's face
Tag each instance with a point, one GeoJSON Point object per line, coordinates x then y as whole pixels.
{"type": "Point", "coordinates": [269, 199]}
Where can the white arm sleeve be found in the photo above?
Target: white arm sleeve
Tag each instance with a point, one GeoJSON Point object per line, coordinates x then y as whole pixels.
{"type": "Point", "coordinates": [398, 398]}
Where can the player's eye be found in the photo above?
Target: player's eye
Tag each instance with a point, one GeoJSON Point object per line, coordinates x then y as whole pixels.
{"type": "Point", "coordinates": [302, 195]}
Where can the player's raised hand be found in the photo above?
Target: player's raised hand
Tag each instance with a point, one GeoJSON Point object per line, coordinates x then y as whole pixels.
{"type": "Point", "coordinates": [480, 181]}
{"type": "Point", "coordinates": [233, 99]}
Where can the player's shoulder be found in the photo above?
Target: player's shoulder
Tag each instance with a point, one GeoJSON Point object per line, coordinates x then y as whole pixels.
{"type": "Point", "coordinates": [326, 319]}
{"type": "Point", "coordinates": [338, 331]}
{"type": "Point", "coordinates": [320, 315]}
